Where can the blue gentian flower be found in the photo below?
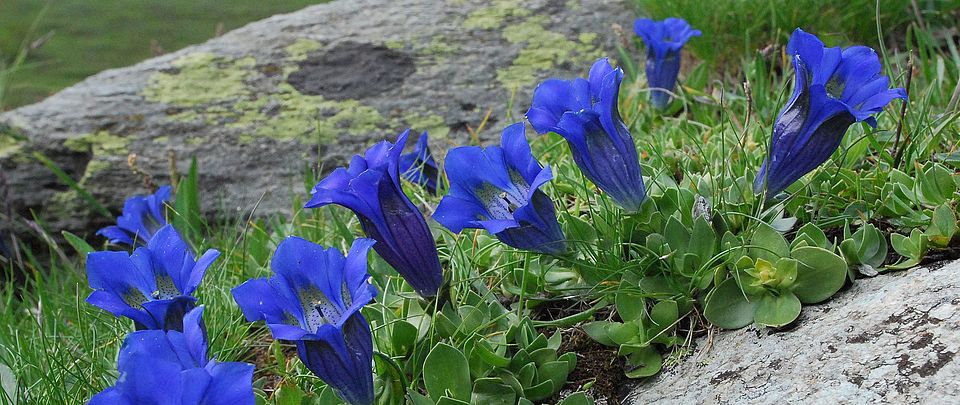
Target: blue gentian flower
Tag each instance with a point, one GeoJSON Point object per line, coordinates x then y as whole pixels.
{"type": "Point", "coordinates": [498, 189]}
{"type": "Point", "coordinates": [585, 113]}
{"type": "Point", "coordinates": [419, 167]}
{"type": "Point", "coordinates": [153, 285]}
{"type": "Point", "coordinates": [664, 39]}
{"type": "Point", "coordinates": [370, 187]}
{"type": "Point", "coordinates": [142, 217]}
{"type": "Point", "coordinates": [172, 367]}
{"type": "Point", "coordinates": [314, 299]}
{"type": "Point", "coordinates": [834, 89]}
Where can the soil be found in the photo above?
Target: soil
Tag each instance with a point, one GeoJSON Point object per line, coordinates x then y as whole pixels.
{"type": "Point", "coordinates": [264, 362]}
{"type": "Point", "coordinates": [596, 364]}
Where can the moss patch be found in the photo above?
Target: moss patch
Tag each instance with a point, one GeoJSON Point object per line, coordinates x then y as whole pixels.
{"type": "Point", "coordinates": [200, 78]}
{"type": "Point", "coordinates": [495, 15]}
{"type": "Point", "coordinates": [543, 50]}
{"type": "Point", "coordinates": [99, 144]}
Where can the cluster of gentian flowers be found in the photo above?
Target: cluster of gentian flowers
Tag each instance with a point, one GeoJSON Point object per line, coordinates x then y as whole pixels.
{"type": "Point", "coordinates": [316, 293]}
{"type": "Point", "coordinates": [165, 360]}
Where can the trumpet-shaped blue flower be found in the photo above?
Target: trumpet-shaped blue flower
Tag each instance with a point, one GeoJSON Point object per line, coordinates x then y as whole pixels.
{"type": "Point", "coordinates": [664, 39]}
{"type": "Point", "coordinates": [314, 298]}
{"type": "Point", "coordinates": [172, 367]}
{"type": "Point", "coordinates": [370, 187]}
{"type": "Point", "coordinates": [153, 285]}
{"type": "Point", "coordinates": [142, 217]}
{"type": "Point", "coordinates": [585, 113]}
{"type": "Point", "coordinates": [419, 167]}
{"type": "Point", "coordinates": [498, 189]}
{"type": "Point", "coordinates": [834, 89]}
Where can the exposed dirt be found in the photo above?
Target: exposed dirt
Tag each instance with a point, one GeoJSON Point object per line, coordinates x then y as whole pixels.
{"type": "Point", "coordinates": [264, 361]}
{"type": "Point", "coordinates": [597, 365]}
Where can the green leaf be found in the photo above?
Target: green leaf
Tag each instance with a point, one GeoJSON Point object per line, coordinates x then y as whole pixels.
{"type": "Point", "coordinates": [577, 398]}
{"type": "Point", "coordinates": [703, 241]}
{"type": "Point", "coordinates": [676, 235]}
{"type": "Point", "coordinates": [391, 377]}
{"type": "Point", "coordinates": [527, 375]}
{"type": "Point", "coordinates": [777, 311]}
{"type": "Point", "coordinates": [769, 244]}
{"type": "Point", "coordinates": [935, 185]}
{"type": "Point", "coordinates": [402, 338]}
{"type": "Point", "coordinates": [445, 400]}
{"type": "Point", "coordinates": [81, 246]}
{"type": "Point", "coordinates": [446, 371]}
{"type": "Point", "coordinates": [630, 306]}
{"type": "Point", "coordinates": [728, 308]}
{"type": "Point", "coordinates": [486, 354]}
{"type": "Point", "coordinates": [289, 394]}
{"type": "Point", "coordinates": [644, 363]}
{"type": "Point", "coordinates": [597, 330]}
{"type": "Point", "coordinates": [664, 314]}
{"type": "Point", "coordinates": [580, 231]}
{"type": "Point", "coordinates": [555, 371]}
{"type": "Point", "coordinates": [543, 355]}
{"type": "Point", "coordinates": [943, 226]}
{"type": "Point", "coordinates": [8, 384]}
{"type": "Point", "coordinates": [419, 399]}
{"type": "Point", "coordinates": [820, 274]}
{"type": "Point", "coordinates": [492, 391]}
{"type": "Point", "coordinates": [571, 359]}
{"type": "Point", "coordinates": [540, 391]}
{"type": "Point", "coordinates": [621, 333]}
{"type": "Point", "coordinates": [188, 219]}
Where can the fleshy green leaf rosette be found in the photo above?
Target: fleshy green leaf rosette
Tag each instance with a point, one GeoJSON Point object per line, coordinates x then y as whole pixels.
{"type": "Point", "coordinates": [770, 283]}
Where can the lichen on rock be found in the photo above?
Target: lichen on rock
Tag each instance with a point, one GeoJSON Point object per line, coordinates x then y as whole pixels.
{"type": "Point", "coordinates": [200, 78]}
{"type": "Point", "coordinates": [496, 14]}
{"type": "Point", "coordinates": [432, 123]}
{"type": "Point", "coordinates": [301, 48]}
{"type": "Point", "coordinates": [101, 143]}
{"type": "Point", "coordinates": [283, 114]}
{"type": "Point", "coordinates": [9, 144]}
{"type": "Point", "coordinates": [542, 51]}
{"type": "Point", "coordinates": [290, 115]}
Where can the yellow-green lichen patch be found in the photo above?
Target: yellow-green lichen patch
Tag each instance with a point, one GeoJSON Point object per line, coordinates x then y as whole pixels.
{"type": "Point", "coordinates": [67, 203]}
{"type": "Point", "coordinates": [495, 15]}
{"type": "Point", "coordinates": [200, 78]}
{"type": "Point", "coordinates": [161, 139]}
{"type": "Point", "coordinates": [290, 115]}
{"type": "Point", "coordinates": [432, 123]}
{"type": "Point", "coordinates": [101, 143]}
{"type": "Point", "coordinates": [95, 166]}
{"type": "Point", "coordinates": [542, 50]}
{"type": "Point", "coordinates": [395, 44]}
{"type": "Point", "coordinates": [229, 101]}
{"type": "Point", "coordinates": [438, 51]}
{"type": "Point", "coordinates": [301, 48]}
{"type": "Point", "coordinates": [9, 145]}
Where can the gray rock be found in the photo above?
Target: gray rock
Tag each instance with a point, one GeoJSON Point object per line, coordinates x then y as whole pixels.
{"type": "Point", "coordinates": [261, 105]}
{"type": "Point", "coordinates": [889, 339]}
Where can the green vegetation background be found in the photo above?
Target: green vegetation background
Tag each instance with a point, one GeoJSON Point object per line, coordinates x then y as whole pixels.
{"type": "Point", "coordinates": [89, 36]}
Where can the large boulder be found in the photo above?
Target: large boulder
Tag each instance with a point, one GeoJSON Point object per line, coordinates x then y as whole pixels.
{"type": "Point", "coordinates": [890, 339]}
{"type": "Point", "coordinates": [262, 105]}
